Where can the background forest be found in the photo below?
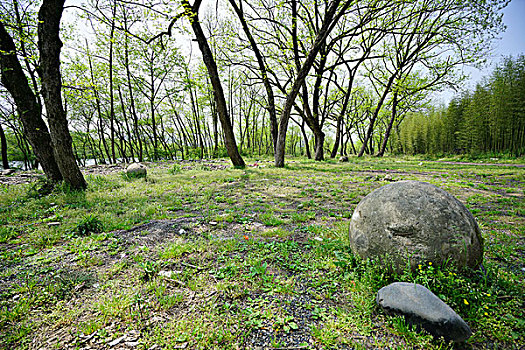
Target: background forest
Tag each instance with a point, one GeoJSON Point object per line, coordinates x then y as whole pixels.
{"type": "Point", "coordinates": [489, 120]}
{"type": "Point", "coordinates": [357, 80]}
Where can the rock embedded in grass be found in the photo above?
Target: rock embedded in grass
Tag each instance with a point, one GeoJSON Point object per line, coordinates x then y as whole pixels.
{"type": "Point", "coordinates": [424, 309]}
{"type": "Point", "coordinates": [415, 222]}
{"type": "Point", "coordinates": [136, 170]}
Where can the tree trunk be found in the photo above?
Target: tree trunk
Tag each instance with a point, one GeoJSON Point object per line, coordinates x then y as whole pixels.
{"type": "Point", "coordinates": [128, 130]}
{"type": "Point", "coordinates": [111, 99]}
{"type": "Point", "coordinates": [306, 142]}
{"type": "Point", "coordinates": [25, 54]}
{"type": "Point", "coordinates": [370, 130]}
{"type": "Point", "coordinates": [264, 72]}
{"type": "Point", "coordinates": [3, 143]}
{"type": "Point", "coordinates": [389, 127]}
{"type": "Point", "coordinates": [319, 142]}
{"type": "Point", "coordinates": [337, 138]}
{"type": "Point", "coordinates": [196, 117]}
{"type": "Point", "coordinates": [330, 19]}
{"type": "Point", "coordinates": [152, 110]}
{"type": "Point", "coordinates": [215, 129]}
{"type": "Point", "coordinates": [29, 110]}
{"type": "Point", "coordinates": [21, 143]}
{"type": "Point", "coordinates": [100, 126]}
{"type": "Point", "coordinates": [342, 138]}
{"type": "Point", "coordinates": [49, 45]}
{"type": "Point", "coordinates": [229, 137]}
{"type": "Point", "coordinates": [346, 100]}
{"type": "Point", "coordinates": [136, 129]}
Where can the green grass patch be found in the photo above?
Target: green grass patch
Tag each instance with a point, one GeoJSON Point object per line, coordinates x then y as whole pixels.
{"type": "Point", "coordinates": [205, 256]}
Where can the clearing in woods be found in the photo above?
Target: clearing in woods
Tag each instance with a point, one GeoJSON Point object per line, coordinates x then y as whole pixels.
{"type": "Point", "coordinates": [201, 255]}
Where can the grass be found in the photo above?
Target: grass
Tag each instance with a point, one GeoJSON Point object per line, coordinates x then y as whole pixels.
{"type": "Point", "coordinates": [201, 255]}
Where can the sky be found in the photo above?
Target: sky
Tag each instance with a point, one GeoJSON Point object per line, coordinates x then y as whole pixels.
{"type": "Point", "coordinates": [512, 40]}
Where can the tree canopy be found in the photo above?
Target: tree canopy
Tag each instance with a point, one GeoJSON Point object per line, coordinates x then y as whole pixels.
{"type": "Point", "coordinates": [148, 81]}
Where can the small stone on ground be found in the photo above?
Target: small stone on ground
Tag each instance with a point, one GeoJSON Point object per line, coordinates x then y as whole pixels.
{"type": "Point", "coordinates": [424, 309]}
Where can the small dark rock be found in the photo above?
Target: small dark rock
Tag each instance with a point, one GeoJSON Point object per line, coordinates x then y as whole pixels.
{"type": "Point", "coordinates": [424, 309]}
{"type": "Point", "coordinates": [343, 159]}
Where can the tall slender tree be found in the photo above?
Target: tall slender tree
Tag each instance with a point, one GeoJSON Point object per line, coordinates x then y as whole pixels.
{"type": "Point", "coordinates": [333, 13]}
{"type": "Point", "coordinates": [192, 13]}
{"type": "Point", "coordinates": [28, 107]}
{"type": "Point", "coordinates": [49, 46]}
{"type": "Point", "coordinates": [3, 148]}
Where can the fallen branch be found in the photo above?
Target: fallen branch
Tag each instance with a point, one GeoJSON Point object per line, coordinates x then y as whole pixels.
{"type": "Point", "coordinates": [193, 266]}
{"type": "Point", "coordinates": [180, 283]}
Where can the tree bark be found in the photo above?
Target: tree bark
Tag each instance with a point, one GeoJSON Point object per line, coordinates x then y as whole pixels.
{"type": "Point", "coordinates": [319, 142]}
{"type": "Point", "coordinates": [306, 142]}
{"type": "Point", "coordinates": [337, 138]}
{"type": "Point", "coordinates": [3, 144]}
{"type": "Point", "coordinates": [218, 92]}
{"type": "Point", "coordinates": [49, 45]}
{"type": "Point", "coordinates": [111, 98]}
{"type": "Point", "coordinates": [29, 110]}
{"type": "Point", "coordinates": [389, 127]}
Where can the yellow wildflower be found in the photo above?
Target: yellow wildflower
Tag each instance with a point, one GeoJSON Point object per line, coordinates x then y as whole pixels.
{"type": "Point", "coordinates": [465, 301]}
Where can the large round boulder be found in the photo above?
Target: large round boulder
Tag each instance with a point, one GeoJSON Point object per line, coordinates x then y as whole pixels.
{"type": "Point", "coordinates": [136, 170]}
{"type": "Point", "coordinates": [415, 222]}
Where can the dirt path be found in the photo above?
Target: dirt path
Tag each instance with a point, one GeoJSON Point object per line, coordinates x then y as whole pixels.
{"type": "Point", "coordinates": [477, 164]}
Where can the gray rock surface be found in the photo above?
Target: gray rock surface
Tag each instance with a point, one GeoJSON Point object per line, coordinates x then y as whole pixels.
{"type": "Point", "coordinates": [424, 309]}
{"type": "Point", "coordinates": [415, 222]}
{"type": "Point", "coordinates": [136, 170]}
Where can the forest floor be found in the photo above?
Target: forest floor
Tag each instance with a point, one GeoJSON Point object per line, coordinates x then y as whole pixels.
{"type": "Point", "coordinates": [199, 255]}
